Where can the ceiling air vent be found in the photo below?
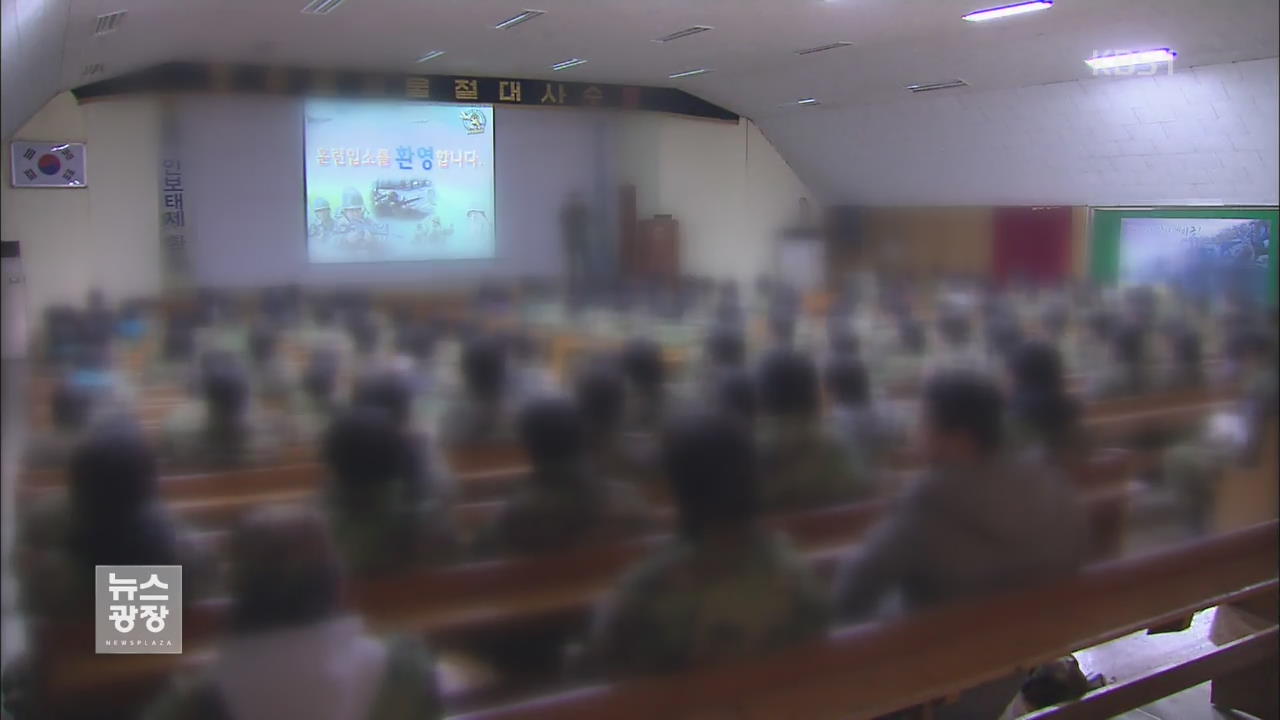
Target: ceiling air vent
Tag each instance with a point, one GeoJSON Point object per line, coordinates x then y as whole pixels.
{"type": "Point", "coordinates": [320, 7]}
{"type": "Point", "coordinates": [683, 33]}
{"type": "Point", "coordinates": [109, 23]}
{"type": "Point", "coordinates": [943, 85]}
{"type": "Point", "coordinates": [91, 70]}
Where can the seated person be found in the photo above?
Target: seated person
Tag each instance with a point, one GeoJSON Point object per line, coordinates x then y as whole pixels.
{"type": "Point", "coordinates": [801, 464]}
{"type": "Point", "coordinates": [92, 372]}
{"type": "Point", "coordinates": [271, 380]}
{"type": "Point", "coordinates": [726, 352]}
{"type": "Point", "coordinates": [563, 504]}
{"type": "Point", "coordinates": [1185, 368]}
{"type": "Point", "coordinates": [365, 344]}
{"type": "Point", "coordinates": [612, 453]}
{"type": "Point", "coordinates": [903, 365]}
{"type": "Point", "coordinates": [1004, 336]}
{"type": "Point", "coordinates": [323, 330]}
{"type": "Point", "coordinates": [319, 395]}
{"type": "Point", "coordinates": [292, 652]}
{"type": "Point", "coordinates": [1042, 417]}
{"type": "Point", "coordinates": [221, 429]}
{"type": "Point", "coordinates": [111, 514]}
{"type": "Point", "coordinates": [71, 407]}
{"type": "Point", "coordinates": [868, 433]}
{"type": "Point", "coordinates": [381, 518]}
{"type": "Point", "coordinates": [1126, 371]}
{"type": "Point", "coordinates": [483, 412]}
{"type": "Point", "coordinates": [530, 375]}
{"type": "Point", "coordinates": [725, 588]}
{"type": "Point", "coordinates": [974, 522]}
{"type": "Point", "coordinates": [736, 398]}
{"type": "Point", "coordinates": [1093, 353]}
{"type": "Point", "coordinates": [177, 351]}
{"type": "Point", "coordinates": [645, 374]}
{"type": "Point", "coordinates": [392, 392]}
{"type": "Point", "coordinates": [957, 351]}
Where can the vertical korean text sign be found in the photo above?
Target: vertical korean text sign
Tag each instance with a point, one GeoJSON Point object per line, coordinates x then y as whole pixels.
{"type": "Point", "coordinates": [47, 164]}
{"type": "Point", "coordinates": [138, 609]}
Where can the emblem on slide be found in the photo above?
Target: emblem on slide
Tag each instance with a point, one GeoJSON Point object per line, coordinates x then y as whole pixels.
{"type": "Point", "coordinates": [473, 121]}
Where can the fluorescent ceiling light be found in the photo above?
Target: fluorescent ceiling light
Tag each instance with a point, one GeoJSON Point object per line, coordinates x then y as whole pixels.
{"type": "Point", "coordinates": [321, 7]}
{"type": "Point", "coordinates": [808, 101]}
{"type": "Point", "coordinates": [940, 85]}
{"type": "Point", "coordinates": [1145, 57]}
{"type": "Point", "coordinates": [513, 21]}
{"type": "Point", "coordinates": [689, 73]}
{"type": "Point", "coordinates": [683, 33]}
{"type": "Point", "coordinates": [568, 64]}
{"type": "Point", "coordinates": [1005, 11]}
{"type": "Point", "coordinates": [430, 56]}
{"type": "Point", "coordinates": [820, 48]}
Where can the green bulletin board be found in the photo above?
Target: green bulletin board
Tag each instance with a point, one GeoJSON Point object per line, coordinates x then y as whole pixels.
{"type": "Point", "coordinates": [1104, 248]}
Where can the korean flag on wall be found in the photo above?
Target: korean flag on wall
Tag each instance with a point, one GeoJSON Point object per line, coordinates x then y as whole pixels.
{"type": "Point", "coordinates": [48, 164]}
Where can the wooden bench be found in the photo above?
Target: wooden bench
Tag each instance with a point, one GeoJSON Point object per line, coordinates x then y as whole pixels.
{"type": "Point", "coordinates": [874, 669]}
{"type": "Point", "coordinates": [457, 607]}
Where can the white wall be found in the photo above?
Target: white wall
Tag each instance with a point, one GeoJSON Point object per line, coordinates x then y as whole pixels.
{"type": "Point", "coordinates": [105, 235]}
{"type": "Point", "coordinates": [1205, 133]}
{"type": "Point", "coordinates": [725, 184]}
{"type": "Point", "coordinates": [30, 57]}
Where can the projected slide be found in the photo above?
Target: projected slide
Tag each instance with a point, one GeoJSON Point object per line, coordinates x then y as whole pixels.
{"type": "Point", "coordinates": [394, 182]}
{"type": "Point", "coordinates": [1201, 255]}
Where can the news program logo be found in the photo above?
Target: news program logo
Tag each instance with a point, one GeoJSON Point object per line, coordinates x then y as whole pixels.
{"type": "Point", "coordinates": [473, 121]}
{"type": "Point", "coordinates": [138, 609]}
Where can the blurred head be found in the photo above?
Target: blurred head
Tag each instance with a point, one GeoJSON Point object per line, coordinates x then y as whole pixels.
{"type": "Point", "coordinates": [1186, 348]}
{"type": "Point", "coordinates": [71, 406]}
{"type": "Point", "coordinates": [1036, 367]}
{"type": "Point", "coordinates": [782, 326]}
{"type": "Point", "coordinates": [843, 343]}
{"type": "Point", "coordinates": [954, 329]}
{"type": "Point", "coordinates": [736, 395]}
{"type": "Point", "coordinates": [417, 341]}
{"type": "Point", "coordinates": [388, 391]}
{"type": "Point", "coordinates": [284, 570]}
{"type": "Point", "coordinates": [601, 399]}
{"type": "Point", "coordinates": [365, 452]}
{"type": "Point", "coordinates": [788, 385]}
{"type": "Point", "coordinates": [910, 335]}
{"type": "Point", "coordinates": [710, 462]}
{"type": "Point", "coordinates": [643, 366]}
{"type": "Point", "coordinates": [226, 392]}
{"type": "Point", "coordinates": [1101, 325]}
{"type": "Point", "coordinates": [847, 383]}
{"type": "Point", "coordinates": [963, 413]}
{"type": "Point", "coordinates": [726, 347]}
{"type": "Point", "coordinates": [113, 472]}
{"type": "Point", "coordinates": [1128, 346]}
{"type": "Point", "coordinates": [262, 343]}
{"type": "Point", "coordinates": [1054, 320]}
{"type": "Point", "coordinates": [321, 375]}
{"type": "Point", "coordinates": [551, 431]}
{"type": "Point", "coordinates": [484, 367]}
{"type": "Point", "coordinates": [364, 334]}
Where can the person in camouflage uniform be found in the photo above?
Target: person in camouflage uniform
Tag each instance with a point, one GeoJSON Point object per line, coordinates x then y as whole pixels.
{"type": "Point", "coordinates": [645, 373]}
{"type": "Point", "coordinates": [1042, 418]}
{"type": "Point", "coordinates": [724, 588]}
{"type": "Point", "coordinates": [957, 352]}
{"type": "Point", "coordinates": [903, 365]}
{"type": "Point", "coordinates": [1126, 372]}
{"type": "Point", "coordinates": [802, 464]}
{"type": "Point", "coordinates": [867, 433]}
{"type": "Point", "coordinates": [222, 429]}
{"type": "Point", "coordinates": [70, 407]}
{"type": "Point", "coordinates": [384, 514]}
{"type": "Point", "coordinates": [292, 653]}
{"type": "Point", "coordinates": [612, 454]}
{"type": "Point", "coordinates": [563, 504]}
{"type": "Point", "coordinates": [271, 381]}
{"type": "Point", "coordinates": [484, 411]}
{"type": "Point", "coordinates": [111, 514]}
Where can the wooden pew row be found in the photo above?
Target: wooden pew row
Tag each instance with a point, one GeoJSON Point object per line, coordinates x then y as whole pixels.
{"type": "Point", "coordinates": [456, 607]}
{"type": "Point", "coordinates": [874, 669]}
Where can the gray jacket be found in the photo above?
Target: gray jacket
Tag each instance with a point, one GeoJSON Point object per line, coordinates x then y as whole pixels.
{"type": "Point", "coordinates": [958, 532]}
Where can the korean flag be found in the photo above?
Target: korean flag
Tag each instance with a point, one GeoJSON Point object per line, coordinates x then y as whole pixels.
{"type": "Point", "coordinates": [48, 164]}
